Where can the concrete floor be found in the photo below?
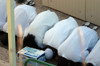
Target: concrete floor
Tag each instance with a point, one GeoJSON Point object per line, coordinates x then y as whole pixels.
{"type": "Point", "coordinates": [4, 55]}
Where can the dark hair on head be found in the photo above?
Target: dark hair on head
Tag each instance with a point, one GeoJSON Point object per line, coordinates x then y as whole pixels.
{"type": "Point", "coordinates": [63, 62]}
{"type": "Point", "coordinates": [20, 1]}
{"type": "Point", "coordinates": [89, 64]}
{"type": "Point", "coordinates": [29, 41]}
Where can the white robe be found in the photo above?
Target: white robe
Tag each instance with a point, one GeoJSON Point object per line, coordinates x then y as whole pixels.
{"type": "Point", "coordinates": [24, 15]}
{"type": "Point", "coordinates": [72, 48]}
{"type": "Point", "coordinates": [94, 56]}
{"type": "Point", "coordinates": [3, 13]}
{"type": "Point", "coordinates": [56, 35]}
{"type": "Point", "coordinates": [43, 22]}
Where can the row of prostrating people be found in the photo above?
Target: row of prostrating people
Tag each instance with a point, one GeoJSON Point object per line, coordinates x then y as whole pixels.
{"type": "Point", "coordinates": [72, 42]}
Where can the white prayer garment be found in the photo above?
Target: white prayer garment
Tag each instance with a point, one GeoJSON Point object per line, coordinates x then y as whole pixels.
{"type": "Point", "coordinates": [56, 35]}
{"type": "Point", "coordinates": [72, 48]}
{"type": "Point", "coordinates": [3, 13]}
{"type": "Point", "coordinates": [24, 15]}
{"type": "Point", "coordinates": [43, 22]}
{"type": "Point", "coordinates": [94, 56]}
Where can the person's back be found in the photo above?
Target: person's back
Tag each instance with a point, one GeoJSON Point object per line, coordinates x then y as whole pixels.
{"type": "Point", "coordinates": [74, 48]}
{"type": "Point", "coordinates": [56, 35]}
{"type": "Point", "coordinates": [3, 13]}
{"type": "Point", "coordinates": [43, 22]}
{"type": "Point", "coordinates": [24, 15]}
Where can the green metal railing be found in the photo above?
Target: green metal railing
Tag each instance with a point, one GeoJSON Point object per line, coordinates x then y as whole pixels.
{"type": "Point", "coordinates": [37, 61]}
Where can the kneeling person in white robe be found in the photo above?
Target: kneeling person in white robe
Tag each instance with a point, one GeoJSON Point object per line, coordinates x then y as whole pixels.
{"type": "Point", "coordinates": [55, 36]}
{"type": "Point", "coordinates": [34, 34]}
{"type": "Point", "coordinates": [24, 15]}
{"type": "Point", "coordinates": [3, 14]}
{"type": "Point", "coordinates": [71, 49]}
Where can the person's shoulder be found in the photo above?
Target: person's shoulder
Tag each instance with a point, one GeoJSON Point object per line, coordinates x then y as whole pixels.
{"type": "Point", "coordinates": [20, 7]}
{"type": "Point", "coordinates": [24, 6]}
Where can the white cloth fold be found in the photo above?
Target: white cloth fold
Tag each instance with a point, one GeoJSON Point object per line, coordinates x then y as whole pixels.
{"type": "Point", "coordinates": [3, 13]}
{"type": "Point", "coordinates": [94, 56]}
{"type": "Point", "coordinates": [56, 35]}
{"type": "Point", "coordinates": [73, 49]}
{"type": "Point", "coordinates": [24, 15]}
{"type": "Point", "coordinates": [43, 22]}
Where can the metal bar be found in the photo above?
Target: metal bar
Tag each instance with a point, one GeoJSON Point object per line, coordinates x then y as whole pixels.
{"type": "Point", "coordinates": [41, 62]}
{"type": "Point", "coordinates": [11, 32]}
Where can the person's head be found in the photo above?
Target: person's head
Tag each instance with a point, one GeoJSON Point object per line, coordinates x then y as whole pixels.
{"type": "Point", "coordinates": [89, 64]}
{"type": "Point", "coordinates": [20, 1]}
{"type": "Point", "coordinates": [29, 41]}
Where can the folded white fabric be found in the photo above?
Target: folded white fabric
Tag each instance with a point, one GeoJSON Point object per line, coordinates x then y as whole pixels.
{"type": "Point", "coordinates": [72, 48]}
{"type": "Point", "coordinates": [94, 56]}
{"type": "Point", "coordinates": [43, 22]}
{"type": "Point", "coordinates": [3, 13]}
{"type": "Point", "coordinates": [56, 35]}
{"type": "Point", "coordinates": [24, 15]}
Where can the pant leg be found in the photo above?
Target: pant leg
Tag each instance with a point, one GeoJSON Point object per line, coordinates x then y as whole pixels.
{"type": "Point", "coordinates": [63, 62]}
{"type": "Point", "coordinates": [89, 64]}
{"type": "Point", "coordinates": [4, 38]}
{"type": "Point", "coordinates": [1, 32]}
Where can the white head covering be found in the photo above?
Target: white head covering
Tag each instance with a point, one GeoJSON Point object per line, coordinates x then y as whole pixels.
{"type": "Point", "coordinates": [72, 48]}
{"type": "Point", "coordinates": [56, 35]}
{"type": "Point", "coordinates": [24, 14]}
{"type": "Point", "coordinates": [94, 56]}
{"type": "Point", "coordinates": [43, 21]}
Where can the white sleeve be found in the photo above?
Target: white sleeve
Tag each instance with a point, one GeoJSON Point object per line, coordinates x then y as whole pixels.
{"type": "Point", "coordinates": [1, 25]}
{"type": "Point", "coordinates": [5, 28]}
